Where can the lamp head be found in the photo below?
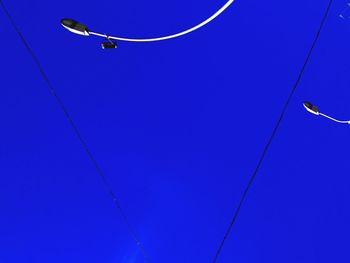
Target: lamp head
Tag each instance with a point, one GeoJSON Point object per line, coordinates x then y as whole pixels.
{"type": "Point", "coordinates": [311, 108]}
{"type": "Point", "coordinates": [75, 26]}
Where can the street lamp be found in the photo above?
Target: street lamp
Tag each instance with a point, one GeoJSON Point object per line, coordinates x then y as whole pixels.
{"type": "Point", "coordinates": [314, 110]}
{"type": "Point", "coordinates": [81, 29]}
{"type": "Point", "coordinates": [75, 26]}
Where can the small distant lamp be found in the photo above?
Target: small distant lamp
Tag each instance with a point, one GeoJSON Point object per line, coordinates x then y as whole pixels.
{"type": "Point", "coordinates": [314, 110]}
{"type": "Point", "coordinates": [311, 108]}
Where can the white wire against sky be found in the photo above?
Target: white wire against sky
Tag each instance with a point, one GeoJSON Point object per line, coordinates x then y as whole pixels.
{"type": "Point", "coordinates": [185, 32]}
{"type": "Point", "coordinates": [333, 119]}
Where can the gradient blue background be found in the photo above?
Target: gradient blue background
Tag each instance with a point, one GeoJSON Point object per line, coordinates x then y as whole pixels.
{"type": "Point", "coordinates": [178, 127]}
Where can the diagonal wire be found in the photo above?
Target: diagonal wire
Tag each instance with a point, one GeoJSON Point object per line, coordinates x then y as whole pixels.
{"type": "Point", "coordinates": [251, 180]}
{"type": "Point", "coordinates": [79, 136]}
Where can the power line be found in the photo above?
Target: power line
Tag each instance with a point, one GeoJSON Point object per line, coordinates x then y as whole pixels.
{"type": "Point", "coordinates": [78, 134]}
{"type": "Point", "coordinates": [251, 180]}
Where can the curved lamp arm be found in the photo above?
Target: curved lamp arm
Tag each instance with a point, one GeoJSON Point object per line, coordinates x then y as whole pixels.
{"type": "Point", "coordinates": [314, 110]}
{"type": "Point", "coordinates": [333, 119]}
{"type": "Point", "coordinates": [82, 29]}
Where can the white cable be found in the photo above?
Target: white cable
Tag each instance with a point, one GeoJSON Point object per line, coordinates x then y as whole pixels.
{"type": "Point", "coordinates": [328, 117]}
{"type": "Point", "coordinates": [208, 20]}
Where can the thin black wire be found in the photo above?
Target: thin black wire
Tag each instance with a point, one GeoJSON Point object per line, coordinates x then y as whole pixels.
{"type": "Point", "coordinates": [78, 134]}
{"type": "Point", "coordinates": [251, 180]}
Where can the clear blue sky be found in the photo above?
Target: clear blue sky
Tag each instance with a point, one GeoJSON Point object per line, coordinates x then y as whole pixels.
{"type": "Point", "coordinates": [178, 127]}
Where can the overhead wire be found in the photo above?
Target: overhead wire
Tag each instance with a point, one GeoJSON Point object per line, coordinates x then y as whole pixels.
{"type": "Point", "coordinates": [78, 134]}
{"type": "Point", "coordinates": [284, 109]}
{"type": "Point", "coordinates": [96, 164]}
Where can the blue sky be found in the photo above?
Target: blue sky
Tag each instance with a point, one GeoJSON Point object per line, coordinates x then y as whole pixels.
{"type": "Point", "coordinates": [178, 127]}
